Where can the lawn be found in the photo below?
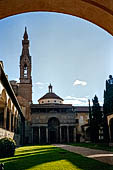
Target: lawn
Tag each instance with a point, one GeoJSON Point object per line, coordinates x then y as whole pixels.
{"type": "Point", "coordinates": [49, 157]}
{"type": "Point", "coordinates": [100, 146]}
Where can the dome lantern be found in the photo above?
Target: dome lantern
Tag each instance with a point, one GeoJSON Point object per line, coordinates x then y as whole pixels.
{"type": "Point", "coordinates": [50, 88]}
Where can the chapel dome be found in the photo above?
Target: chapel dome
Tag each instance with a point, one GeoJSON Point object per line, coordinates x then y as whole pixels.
{"type": "Point", "coordinates": [50, 97]}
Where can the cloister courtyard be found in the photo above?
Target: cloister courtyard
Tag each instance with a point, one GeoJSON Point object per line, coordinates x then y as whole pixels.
{"type": "Point", "coordinates": [50, 157]}
{"type": "Point", "coordinates": [35, 126]}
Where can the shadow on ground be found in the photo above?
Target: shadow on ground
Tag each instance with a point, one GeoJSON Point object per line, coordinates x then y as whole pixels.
{"type": "Point", "coordinates": [43, 155]}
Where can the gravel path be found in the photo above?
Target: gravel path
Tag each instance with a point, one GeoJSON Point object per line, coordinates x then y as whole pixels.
{"type": "Point", "coordinates": [100, 155]}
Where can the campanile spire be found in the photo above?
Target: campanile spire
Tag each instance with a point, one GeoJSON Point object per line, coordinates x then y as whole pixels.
{"type": "Point", "coordinates": [25, 45]}
{"type": "Point", "coordinates": [25, 86]}
{"type": "Point", "coordinates": [25, 60]}
{"type": "Point", "coordinates": [25, 34]}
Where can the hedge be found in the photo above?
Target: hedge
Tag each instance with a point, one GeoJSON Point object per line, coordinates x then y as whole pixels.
{"type": "Point", "coordinates": [7, 147]}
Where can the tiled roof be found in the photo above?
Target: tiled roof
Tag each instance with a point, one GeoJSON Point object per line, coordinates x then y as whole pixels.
{"type": "Point", "coordinates": [49, 105]}
{"type": "Point", "coordinates": [50, 96]}
{"type": "Point", "coordinates": [84, 108]}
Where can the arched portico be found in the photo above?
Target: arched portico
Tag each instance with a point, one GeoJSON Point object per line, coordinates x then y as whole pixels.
{"type": "Point", "coordinates": [96, 11]}
{"type": "Point", "coordinates": [53, 130]}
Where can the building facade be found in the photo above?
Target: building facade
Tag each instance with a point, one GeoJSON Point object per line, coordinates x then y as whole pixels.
{"type": "Point", "coordinates": [11, 116]}
{"type": "Point", "coordinates": [82, 124]}
{"type": "Point", "coordinates": [53, 121]}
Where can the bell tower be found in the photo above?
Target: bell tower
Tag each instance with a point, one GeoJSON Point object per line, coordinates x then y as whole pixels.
{"type": "Point", "coordinates": [25, 85]}
{"type": "Point", "coordinates": [25, 61]}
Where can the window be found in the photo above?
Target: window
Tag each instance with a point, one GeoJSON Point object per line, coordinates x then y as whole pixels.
{"type": "Point", "coordinates": [48, 101]}
{"type": "Point", "coordinates": [25, 71]}
{"type": "Point", "coordinates": [55, 101]}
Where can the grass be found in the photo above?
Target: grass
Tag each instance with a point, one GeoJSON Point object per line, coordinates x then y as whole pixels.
{"type": "Point", "coordinates": [100, 146]}
{"type": "Point", "coordinates": [49, 157]}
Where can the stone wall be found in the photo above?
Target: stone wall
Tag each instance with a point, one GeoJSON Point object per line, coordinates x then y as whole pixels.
{"type": "Point", "coordinates": [5, 133]}
{"type": "Point", "coordinates": [64, 118]}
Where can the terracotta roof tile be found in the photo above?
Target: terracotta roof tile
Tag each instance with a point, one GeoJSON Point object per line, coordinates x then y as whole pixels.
{"type": "Point", "coordinates": [50, 96]}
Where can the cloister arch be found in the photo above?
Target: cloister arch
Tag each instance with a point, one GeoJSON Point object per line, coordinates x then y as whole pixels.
{"type": "Point", "coordinates": [9, 104]}
{"type": "Point", "coordinates": [99, 12]}
{"type": "Point", "coordinates": [4, 96]}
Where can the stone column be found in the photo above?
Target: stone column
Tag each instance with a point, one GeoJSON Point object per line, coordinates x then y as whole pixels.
{"type": "Point", "coordinates": [39, 134]}
{"type": "Point", "coordinates": [16, 125]}
{"type": "Point", "coordinates": [13, 122]}
{"type": "Point", "coordinates": [32, 135]}
{"type": "Point", "coordinates": [74, 134]}
{"type": "Point", "coordinates": [47, 134]}
{"type": "Point", "coordinates": [10, 120]}
{"type": "Point", "coordinates": [109, 134]}
{"type": "Point", "coordinates": [60, 134]}
{"type": "Point", "coordinates": [5, 116]}
{"type": "Point", "coordinates": [67, 134]}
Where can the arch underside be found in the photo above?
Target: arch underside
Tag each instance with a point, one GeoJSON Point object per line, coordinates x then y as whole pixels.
{"type": "Point", "coordinates": [99, 12]}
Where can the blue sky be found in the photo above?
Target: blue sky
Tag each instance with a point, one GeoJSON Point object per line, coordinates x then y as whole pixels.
{"type": "Point", "coordinates": [72, 54]}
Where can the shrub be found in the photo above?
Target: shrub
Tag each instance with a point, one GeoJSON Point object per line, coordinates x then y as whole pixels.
{"type": "Point", "coordinates": [7, 147]}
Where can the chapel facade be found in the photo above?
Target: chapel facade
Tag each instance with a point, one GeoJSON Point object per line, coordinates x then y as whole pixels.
{"type": "Point", "coordinates": [53, 121]}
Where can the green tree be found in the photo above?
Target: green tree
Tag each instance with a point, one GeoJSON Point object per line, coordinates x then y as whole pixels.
{"type": "Point", "coordinates": [108, 106]}
{"type": "Point", "coordinates": [96, 119]}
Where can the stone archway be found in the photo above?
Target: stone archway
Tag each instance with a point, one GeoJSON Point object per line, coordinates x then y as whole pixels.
{"type": "Point", "coordinates": [4, 96]}
{"type": "Point", "coordinates": [111, 129]}
{"type": "Point", "coordinates": [53, 130]}
{"type": "Point", "coordinates": [99, 12]}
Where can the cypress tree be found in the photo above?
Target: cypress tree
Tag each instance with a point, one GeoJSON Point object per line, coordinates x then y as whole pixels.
{"type": "Point", "coordinates": [96, 119]}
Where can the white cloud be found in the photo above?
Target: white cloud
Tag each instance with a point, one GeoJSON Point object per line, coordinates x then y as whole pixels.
{"type": "Point", "coordinates": [78, 101]}
{"type": "Point", "coordinates": [79, 82]}
{"type": "Point", "coordinates": [41, 85]}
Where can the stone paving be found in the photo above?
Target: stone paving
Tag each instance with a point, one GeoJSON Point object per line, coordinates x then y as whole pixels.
{"type": "Point", "coordinates": [100, 155]}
